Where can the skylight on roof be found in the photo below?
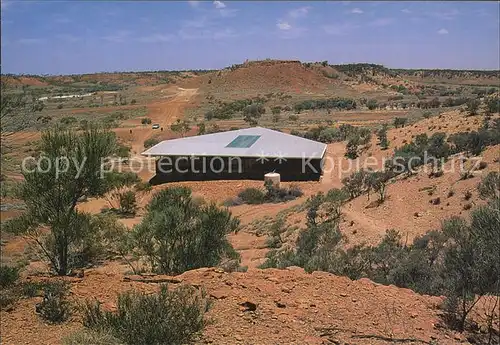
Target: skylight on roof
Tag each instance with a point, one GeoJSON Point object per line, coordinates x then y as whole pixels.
{"type": "Point", "coordinates": [243, 141]}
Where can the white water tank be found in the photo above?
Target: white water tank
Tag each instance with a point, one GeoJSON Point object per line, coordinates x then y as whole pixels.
{"type": "Point", "coordinates": [275, 179]}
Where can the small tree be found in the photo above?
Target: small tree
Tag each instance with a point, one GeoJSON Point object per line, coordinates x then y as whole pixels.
{"type": "Point", "coordinates": [472, 107]}
{"type": "Point", "coordinates": [253, 112]}
{"type": "Point", "coordinates": [372, 104]}
{"type": "Point", "coordinates": [181, 127]}
{"type": "Point", "coordinates": [471, 260]}
{"type": "Point", "coordinates": [52, 191]}
{"type": "Point", "coordinates": [377, 181]}
{"type": "Point", "coordinates": [150, 142]}
{"type": "Point", "coordinates": [127, 202]}
{"type": "Point", "coordinates": [355, 183]}
{"type": "Point", "coordinates": [352, 148]}
{"type": "Point", "coordinates": [489, 187]}
{"type": "Point", "coordinates": [382, 138]}
{"type": "Point", "coordinates": [179, 234]}
{"type": "Point", "coordinates": [202, 128]}
{"type": "Point", "coordinates": [400, 122]}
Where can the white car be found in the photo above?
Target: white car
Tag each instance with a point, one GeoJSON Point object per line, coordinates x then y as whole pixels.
{"type": "Point", "coordinates": [156, 126]}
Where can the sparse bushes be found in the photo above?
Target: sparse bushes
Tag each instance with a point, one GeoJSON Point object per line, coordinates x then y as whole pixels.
{"type": "Point", "coordinates": [115, 180]}
{"type": "Point", "coordinates": [474, 142]}
{"type": "Point", "coordinates": [493, 105]}
{"type": "Point", "coordinates": [143, 187]}
{"type": "Point", "coordinates": [54, 307]}
{"type": "Point", "coordinates": [181, 127]}
{"type": "Point", "coordinates": [128, 203]}
{"type": "Point", "coordinates": [352, 149]}
{"type": "Point", "coordinates": [252, 112]}
{"type": "Point", "coordinates": [68, 120]}
{"type": "Point", "coordinates": [252, 196]}
{"type": "Point", "coordinates": [164, 318]}
{"type": "Point", "coordinates": [472, 107]}
{"type": "Point", "coordinates": [179, 234]}
{"type": "Point", "coordinates": [459, 262]}
{"type": "Point", "coordinates": [272, 194]}
{"type": "Point", "coordinates": [382, 138]}
{"type": "Point", "coordinates": [226, 110]}
{"type": "Point", "coordinates": [372, 104]}
{"type": "Point", "coordinates": [330, 103]}
{"type": "Point", "coordinates": [276, 110]}
{"type": "Point", "coordinates": [122, 151]}
{"type": "Point", "coordinates": [9, 292]}
{"type": "Point", "coordinates": [146, 121]}
{"type": "Point", "coordinates": [151, 142]}
{"type": "Point", "coordinates": [489, 187]}
{"type": "Point", "coordinates": [8, 276]}
{"type": "Point", "coordinates": [91, 338]}
{"type": "Point", "coordinates": [400, 122]}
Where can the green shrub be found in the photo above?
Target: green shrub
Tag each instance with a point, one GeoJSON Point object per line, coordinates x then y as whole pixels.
{"type": "Point", "coordinates": [164, 318]}
{"type": "Point", "coordinates": [143, 187]}
{"type": "Point", "coordinates": [236, 201]}
{"type": "Point", "coordinates": [54, 307]}
{"type": "Point", "coordinates": [252, 196]}
{"type": "Point", "coordinates": [90, 337]}
{"type": "Point", "coordinates": [400, 122]}
{"type": "Point", "coordinates": [122, 151]}
{"type": "Point", "coordinates": [179, 233]}
{"type": "Point", "coordinates": [372, 104]}
{"type": "Point", "coordinates": [150, 142]}
{"type": "Point", "coordinates": [68, 120]}
{"type": "Point", "coordinates": [115, 179]}
{"type": "Point", "coordinates": [128, 203]}
{"type": "Point", "coordinates": [8, 276]}
{"type": "Point", "coordinates": [7, 298]}
{"type": "Point", "coordinates": [489, 187]}
{"type": "Point", "coordinates": [330, 103]}
{"type": "Point", "coordinates": [146, 121]}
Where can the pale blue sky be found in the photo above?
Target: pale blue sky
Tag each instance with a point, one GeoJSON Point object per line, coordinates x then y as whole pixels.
{"type": "Point", "coordinates": [62, 37]}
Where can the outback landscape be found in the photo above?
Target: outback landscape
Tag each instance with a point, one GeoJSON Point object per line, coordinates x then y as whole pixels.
{"type": "Point", "coordinates": [366, 255]}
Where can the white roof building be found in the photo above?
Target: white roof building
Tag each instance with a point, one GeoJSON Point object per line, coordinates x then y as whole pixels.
{"type": "Point", "coordinates": [248, 142]}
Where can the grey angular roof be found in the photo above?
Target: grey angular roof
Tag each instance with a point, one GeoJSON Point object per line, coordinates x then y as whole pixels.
{"type": "Point", "coordinates": [248, 142]}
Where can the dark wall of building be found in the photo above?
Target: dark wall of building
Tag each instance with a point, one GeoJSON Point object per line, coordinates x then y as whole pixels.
{"type": "Point", "coordinates": [172, 169]}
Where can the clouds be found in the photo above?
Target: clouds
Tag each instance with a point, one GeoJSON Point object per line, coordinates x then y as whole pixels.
{"type": "Point", "coordinates": [219, 4]}
{"type": "Point", "coordinates": [299, 12]}
{"type": "Point", "coordinates": [292, 25]}
{"type": "Point", "coordinates": [283, 25]}
{"type": "Point", "coordinates": [356, 11]}
{"type": "Point", "coordinates": [445, 15]}
{"type": "Point", "coordinates": [442, 32]}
